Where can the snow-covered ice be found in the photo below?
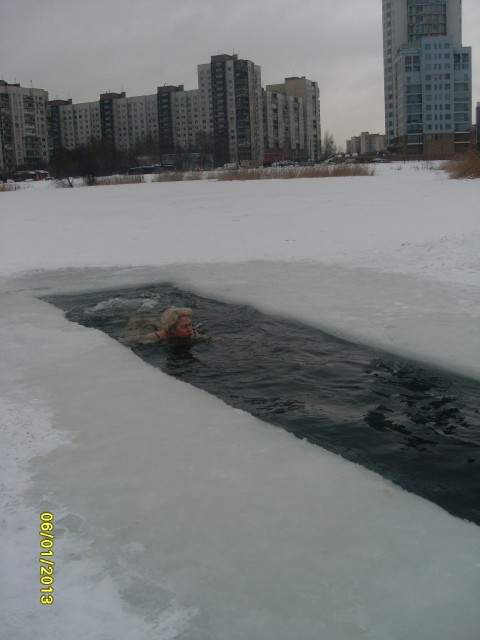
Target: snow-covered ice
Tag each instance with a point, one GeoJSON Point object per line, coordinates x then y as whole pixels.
{"type": "Point", "coordinates": [176, 515]}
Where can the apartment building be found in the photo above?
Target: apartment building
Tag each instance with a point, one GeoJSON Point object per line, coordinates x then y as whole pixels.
{"type": "Point", "coordinates": [123, 122]}
{"type": "Point", "coordinates": [227, 107]}
{"type": "Point", "coordinates": [229, 117]}
{"type": "Point", "coordinates": [179, 118]}
{"type": "Point", "coordinates": [135, 121]}
{"type": "Point", "coordinates": [73, 125]}
{"type": "Point", "coordinates": [230, 95]}
{"type": "Point", "coordinates": [292, 118]}
{"type": "Point", "coordinates": [284, 125]}
{"type": "Point", "coordinates": [166, 116]}
{"type": "Point", "coordinates": [366, 144]}
{"type": "Point", "coordinates": [307, 90]}
{"type": "Point", "coordinates": [23, 127]}
{"type": "Point", "coordinates": [427, 77]}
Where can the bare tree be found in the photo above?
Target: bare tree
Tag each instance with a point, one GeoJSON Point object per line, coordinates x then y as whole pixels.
{"type": "Point", "coordinates": [329, 148]}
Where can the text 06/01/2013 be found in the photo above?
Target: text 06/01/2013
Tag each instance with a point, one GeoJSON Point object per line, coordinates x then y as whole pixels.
{"type": "Point", "coordinates": [47, 565]}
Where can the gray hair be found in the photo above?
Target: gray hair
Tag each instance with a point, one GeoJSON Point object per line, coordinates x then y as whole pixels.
{"type": "Point", "coordinates": [169, 318]}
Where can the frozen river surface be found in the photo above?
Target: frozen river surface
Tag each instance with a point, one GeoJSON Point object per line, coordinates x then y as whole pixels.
{"type": "Point", "coordinates": [178, 516]}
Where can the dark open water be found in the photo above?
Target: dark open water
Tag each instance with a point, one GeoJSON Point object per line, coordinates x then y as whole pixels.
{"type": "Point", "coordinates": [415, 425]}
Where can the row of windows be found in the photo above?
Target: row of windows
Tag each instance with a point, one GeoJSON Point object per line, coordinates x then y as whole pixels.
{"type": "Point", "coordinates": [429, 127]}
{"type": "Point", "coordinates": [426, 29]}
{"type": "Point", "coordinates": [446, 127]}
{"type": "Point", "coordinates": [446, 116]}
{"type": "Point", "coordinates": [437, 107]}
{"type": "Point", "coordinates": [437, 45]}
{"type": "Point", "coordinates": [437, 67]}
{"type": "Point", "coordinates": [438, 76]}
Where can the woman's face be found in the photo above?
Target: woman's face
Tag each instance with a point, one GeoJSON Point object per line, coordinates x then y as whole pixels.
{"type": "Point", "coordinates": [183, 328]}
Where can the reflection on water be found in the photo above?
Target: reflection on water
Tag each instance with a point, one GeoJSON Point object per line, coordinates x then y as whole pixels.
{"type": "Point", "coordinates": [417, 426]}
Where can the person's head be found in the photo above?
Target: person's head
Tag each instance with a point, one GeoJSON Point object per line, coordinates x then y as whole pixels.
{"type": "Point", "coordinates": [177, 321]}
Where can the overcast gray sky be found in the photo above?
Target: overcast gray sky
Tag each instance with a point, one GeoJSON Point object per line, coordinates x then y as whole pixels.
{"type": "Point", "coordinates": [79, 49]}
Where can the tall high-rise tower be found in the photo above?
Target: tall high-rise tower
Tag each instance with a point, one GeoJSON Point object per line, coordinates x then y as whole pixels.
{"type": "Point", "coordinates": [427, 77]}
{"type": "Point", "coordinates": [231, 96]}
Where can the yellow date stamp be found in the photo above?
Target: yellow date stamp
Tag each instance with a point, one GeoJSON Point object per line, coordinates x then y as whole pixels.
{"type": "Point", "coordinates": [47, 565]}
